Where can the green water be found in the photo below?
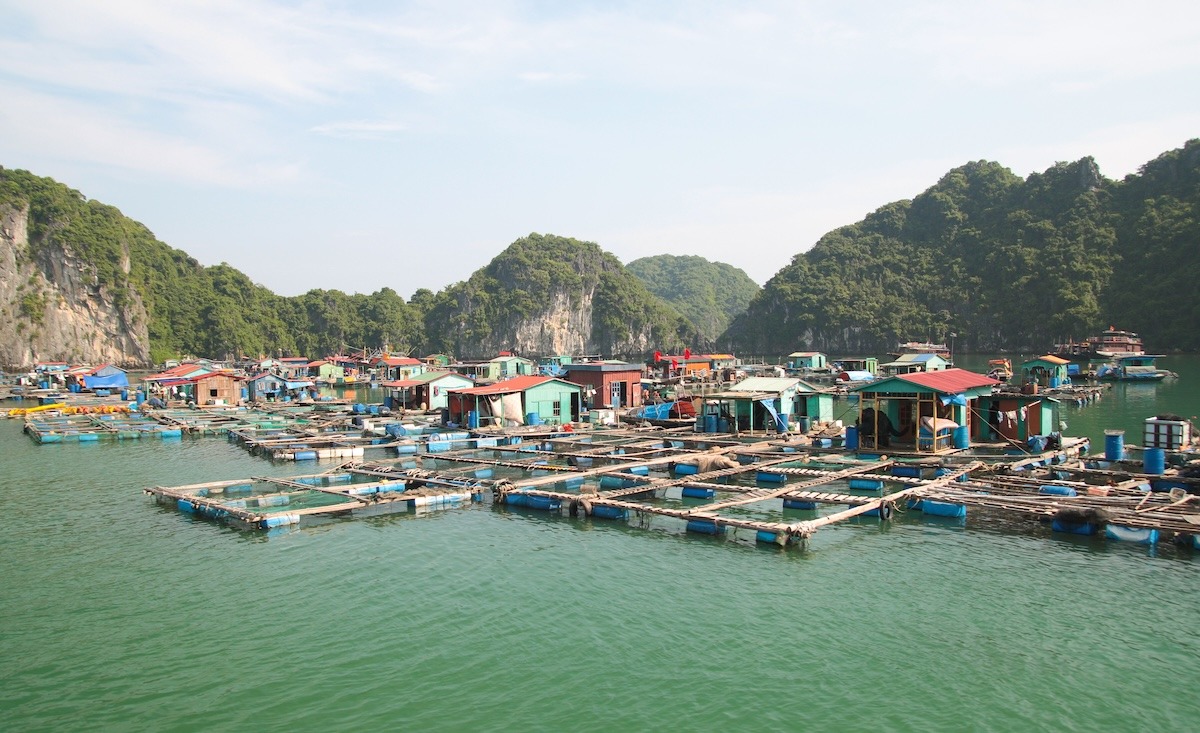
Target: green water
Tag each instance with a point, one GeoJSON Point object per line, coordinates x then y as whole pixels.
{"type": "Point", "coordinates": [121, 615]}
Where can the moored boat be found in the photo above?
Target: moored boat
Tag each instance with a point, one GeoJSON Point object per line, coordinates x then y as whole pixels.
{"type": "Point", "coordinates": [1110, 343]}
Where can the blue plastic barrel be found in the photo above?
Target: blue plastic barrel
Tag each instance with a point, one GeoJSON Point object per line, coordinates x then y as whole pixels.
{"type": "Point", "coordinates": [1154, 460]}
{"type": "Point", "coordinates": [704, 526]}
{"type": "Point", "coordinates": [962, 437]}
{"type": "Point", "coordinates": [686, 469]}
{"type": "Point", "coordinates": [722, 425]}
{"type": "Point", "coordinates": [1058, 491]}
{"type": "Point", "coordinates": [799, 504]}
{"type": "Point", "coordinates": [710, 423]}
{"type": "Point", "coordinates": [533, 419]}
{"type": "Point", "coordinates": [608, 512]}
{"type": "Point", "coordinates": [806, 424]}
{"type": "Point", "coordinates": [1114, 445]}
{"type": "Point", "coordinates": [695, 492]}
{"type": "Point", "coordinates": [865, 484]}
{"type": "Point", "coordinates": [943, 508]}
{"type": "Point", "coordinates": [851, 436]}
{"type": "Point", "coordinates": [124, 395]}
{"type": "Point", "coordinates": [473, 419]}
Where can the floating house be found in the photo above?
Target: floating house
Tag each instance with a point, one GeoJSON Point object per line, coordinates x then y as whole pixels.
{"type": "Point", "coordinates": [439, 361]}
{"type": "Point", "coordinates": [926, 412]}
{"type": "Point", "coordinates": [766, 403]}
{"type": "Point", "coordinates": [526, 400]}
{"type": "Point", "coordinates": [325, 371]}
{"type": "Point", "coordinates": [266, 387]}
{"type": "Point", "coordinates": [105, 376]}
{"type": "Point", "coordinates": [209, 388]}
{"type": "Point", "coordinates": [170, 380]}
{"type": "Point", "coordinates": [684, 365]}
{"type": "Point", "coordinates": [857, 365]}
{"type": "Point", "coordinates": [426, 391]}
{"type": "Point", "coordinates": [1047, 371]}
{"type": "Point", "coordinates": [1132, 368]}
{"type": "Point", "coordinates": [477, 371]}
{"type": "Point", "coordinates": [554, 366]}
{"type": "Point", "coordinates": [511, 365]}
{"type": "Point", "coordinates": [809, 360]}
{"type": "Point", "coordinates": [397, 368]}
{"type": "Point", "coordinates": [717, 362]}
{"type": "Point", "coordinates": [294, 366]}
{"type": "Point", "coordinates": [608, 384]}
{"type": "Point", "coordinates": [1014, 418]}
{"type": "Point", "coordinates": [913, 363]}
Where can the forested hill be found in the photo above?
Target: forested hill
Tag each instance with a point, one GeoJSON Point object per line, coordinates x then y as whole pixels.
{"type": "Point", "coordinates": [709, 294]}
{"type": "Point", "coordinates": [547, 294]}
{"type": "Point", "coordinates": [83, 282]}
{"type": "Point", "coordinates": [1004, 263]}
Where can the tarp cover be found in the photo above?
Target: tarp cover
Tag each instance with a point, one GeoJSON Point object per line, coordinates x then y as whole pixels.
{"type": "Point", "coordinates": [780, 423]}
{"type": "Point", "coordinates": [106, 382]}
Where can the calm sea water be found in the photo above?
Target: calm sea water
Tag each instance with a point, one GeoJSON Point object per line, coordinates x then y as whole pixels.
{"type": "Point", "coordinates": [121, 615]}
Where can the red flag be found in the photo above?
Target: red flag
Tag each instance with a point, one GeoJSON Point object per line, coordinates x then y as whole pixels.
{"type": "Point", "coordinates": [657, 356]}
{"type": "Point", "coordinates": [687, 353]}
{"type": "Point", "coordinates": [674, 363]}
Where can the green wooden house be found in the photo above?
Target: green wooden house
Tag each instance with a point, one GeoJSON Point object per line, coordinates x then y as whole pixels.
{"type": "Point", "coordinates": [518, 401]}
{"type": "Point", "coordinates": [1047, 371]}
{"type": "Point", "coordinates": [922, 412]}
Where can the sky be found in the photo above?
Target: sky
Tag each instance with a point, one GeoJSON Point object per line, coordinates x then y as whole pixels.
{"type": "Point", "coordinates": [362, 145]}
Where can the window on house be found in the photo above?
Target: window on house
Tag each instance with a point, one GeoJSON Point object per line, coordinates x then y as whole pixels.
{"type": "Point", "coordinates": [212, 393]}
{"type": "Point", "coordinates": [557, 408]}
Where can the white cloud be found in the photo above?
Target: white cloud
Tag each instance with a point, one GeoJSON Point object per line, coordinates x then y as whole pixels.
{"type": "Point", "coordinates": [360, 129]}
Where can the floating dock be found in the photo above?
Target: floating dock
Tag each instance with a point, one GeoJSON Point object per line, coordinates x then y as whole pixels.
{"type": "Point", "coordinates": [770, 492]}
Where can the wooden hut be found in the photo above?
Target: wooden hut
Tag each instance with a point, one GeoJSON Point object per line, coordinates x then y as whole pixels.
{"type": "Point", "coordinates": [427, 391]}
{"type": "Point", "coordinates": [609, 384]}
{"type": "Point", "coordinates": [809, 360]}
{"type": "Point", "coordinates": [766, 403]}
{"type": "Point", "coordinates": [926, 412]}
{"type": "Point", "coordinates": [518, 401]}
{"type": "Point", "coordinates": [215, 388]}
{"type": "Point", "coordinates": [265, 387]}
{"type": "Point", "coordinates": [912, 363]}
{"type": "Point", "coordinates": [511, 365]}
{"type": "Point", "coordinates": [395, 368]}
{"type": "Point", "coordinates": [1047, 371]}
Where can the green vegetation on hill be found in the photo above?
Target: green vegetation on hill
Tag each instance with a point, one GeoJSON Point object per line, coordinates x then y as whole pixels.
{"type": "Point", "coordinates": [537, 273]}
{"type": "Point", "coordinates": [1003, 263]}
{"type": "Point", "coordinates": [709, 294]}
{"type": "Point", "coordinates": [208, 311]}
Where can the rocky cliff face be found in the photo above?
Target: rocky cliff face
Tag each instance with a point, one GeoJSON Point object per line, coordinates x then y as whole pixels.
{"type": "Point", "coordinates": [51, 308]}
{"type": "Point", "coordinates": [564, 328]}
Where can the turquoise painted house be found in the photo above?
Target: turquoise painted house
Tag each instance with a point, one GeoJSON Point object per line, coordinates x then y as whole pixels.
{"type": "Point", "coordinates": [807, 360]}
{"type": "Point", "coordinates": [518, 401]}
{"type": "Point", "coordinates": [912, 363]}
{"type": "Point", "coordinates": [922, 412]}
{"type": "Point", "coordinates": [514, 366]}
{"type": "Point", "coordinates": [761, 404]}
{"type": "Point", "coordinates": [1046, 371]}
{"type": "Point", "coordinates": [426, 391]}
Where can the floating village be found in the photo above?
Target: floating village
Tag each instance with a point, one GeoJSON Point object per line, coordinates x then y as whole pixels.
{"type": "Point", "coordinates": [697, 443]}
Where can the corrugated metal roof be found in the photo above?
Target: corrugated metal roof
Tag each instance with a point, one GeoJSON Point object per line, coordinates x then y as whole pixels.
{"type": "Point", "coordinates": [516, 384]}
{"type": "Point", "coordinates": [1050, 359]}
{"type": "Point", "coordinates": [765, 384]}
{"type": "Point", "coordinates": [948, 380]}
